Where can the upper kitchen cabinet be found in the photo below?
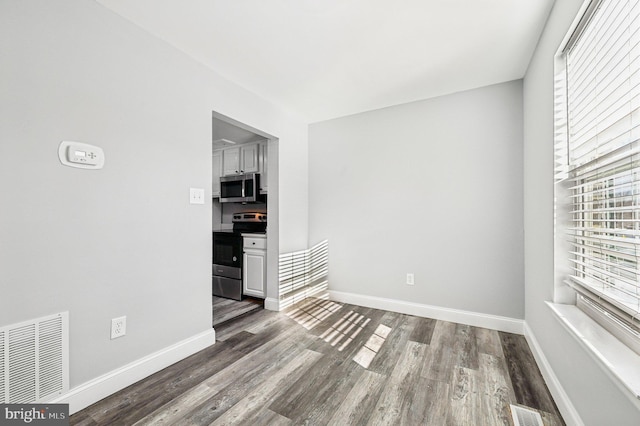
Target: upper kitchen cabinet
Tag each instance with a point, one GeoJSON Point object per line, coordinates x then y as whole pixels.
{"type": "Point", "coordinates": [217, 172]}
{"type": "Point", "coordinates": [249, 158]}
{"type": "Point", "coordinates": [240, 159]}
{"type": "Point", "coordinates": [231, 161]}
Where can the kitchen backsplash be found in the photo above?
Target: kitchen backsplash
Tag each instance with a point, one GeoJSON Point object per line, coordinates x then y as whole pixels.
{"type": "Point", "coordinates": [223, 212]}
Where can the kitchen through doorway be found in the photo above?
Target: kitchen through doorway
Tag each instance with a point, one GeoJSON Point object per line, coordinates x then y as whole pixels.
{"type": "Point", "coordinates": [244, 225]}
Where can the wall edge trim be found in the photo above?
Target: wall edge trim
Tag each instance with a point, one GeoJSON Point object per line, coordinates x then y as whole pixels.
{"type": "Point", "coordinates": [271, 304]}
{"type": "Point", "coordinates": [476, 319]}
{"type": "Point", "coordinates": [94, 390]}
{"type": "Point", "coordinates": [569, 413]}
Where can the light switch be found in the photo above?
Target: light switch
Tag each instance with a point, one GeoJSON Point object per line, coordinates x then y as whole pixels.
{"type": "Point", "coordinates": [196, 195]}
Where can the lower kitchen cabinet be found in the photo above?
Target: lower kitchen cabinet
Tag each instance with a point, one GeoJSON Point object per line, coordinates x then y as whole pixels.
{"type": "Point", "coordinates": [254, 269]}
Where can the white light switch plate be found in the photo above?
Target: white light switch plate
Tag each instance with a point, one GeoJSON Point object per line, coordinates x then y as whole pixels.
{"type": "Point", "coordinates": [196, 195]}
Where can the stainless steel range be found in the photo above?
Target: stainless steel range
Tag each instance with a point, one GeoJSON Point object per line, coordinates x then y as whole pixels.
{"type": "Point", "coordinates": [227, 253]}
{"type": "Point", "coordinates": [250, 222]}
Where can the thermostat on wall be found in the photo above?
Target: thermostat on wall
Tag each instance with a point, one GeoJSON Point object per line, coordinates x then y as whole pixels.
{"type": "Point", "coordinates": [80, 155]}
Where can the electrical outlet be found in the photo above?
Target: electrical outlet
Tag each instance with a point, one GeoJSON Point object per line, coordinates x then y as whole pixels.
{"type": "Point", "coordinates": [196, 195]}
{"type": "Point", "coordinates": [410, 279]}
{"type": "Point", "coordinates": [118, 327]}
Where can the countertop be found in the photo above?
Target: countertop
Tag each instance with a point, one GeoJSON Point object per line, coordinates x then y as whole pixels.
{"type": "Point", "coordinates": [244, 234]}
{"type": "Point", "coordinates": [254, 234]}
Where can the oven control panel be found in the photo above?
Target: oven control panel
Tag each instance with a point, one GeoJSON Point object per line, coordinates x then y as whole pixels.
{"type": "Point", "coordinates": [250, 217]}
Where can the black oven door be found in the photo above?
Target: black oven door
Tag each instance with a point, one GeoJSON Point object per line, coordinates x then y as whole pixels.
{"type": "Point", "coordinates": [227, 249]}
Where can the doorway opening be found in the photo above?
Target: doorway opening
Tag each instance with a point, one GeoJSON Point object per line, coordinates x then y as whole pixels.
{"type": "Point", "coordinates": [246, 279]}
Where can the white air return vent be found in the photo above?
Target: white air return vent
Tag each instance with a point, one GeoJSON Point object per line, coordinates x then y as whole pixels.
{"type": "Point", "coordinates": [525, 417]}
{"type": "Point", "coordinates": [34, 360]}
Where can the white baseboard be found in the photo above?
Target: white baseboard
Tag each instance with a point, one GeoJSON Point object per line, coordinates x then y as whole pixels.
{"type": "Point", "coordinates": [494, 322]}
{"type": "Point", "coordinates": [94, 390]}
{"type": "Point", "coordinates": [271, 304]}
{"type": "Point", "coordinates": [569, 413]}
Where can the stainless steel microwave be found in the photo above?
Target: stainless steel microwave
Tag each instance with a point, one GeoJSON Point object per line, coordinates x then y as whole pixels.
{"type": "Point", "coordinates": [240, 188]}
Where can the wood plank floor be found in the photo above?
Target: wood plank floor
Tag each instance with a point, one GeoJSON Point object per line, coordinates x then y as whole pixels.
{"type": "Point", "coordinates": [227, 309]}
{"type": "Point", "coordinates": [323, 362]}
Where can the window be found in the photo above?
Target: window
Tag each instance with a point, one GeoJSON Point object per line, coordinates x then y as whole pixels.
{"type": "Point", "coordinates": [597, 131]}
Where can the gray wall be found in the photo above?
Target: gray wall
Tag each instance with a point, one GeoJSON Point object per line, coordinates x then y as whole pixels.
{"type": "Point", "coordinates": [433, 188]}
{"type": "Point", "coordinates": [123, 240]}
{"type": "Point", "coordinates": [293, 186]}
{"type": "Point", "coordinates": [596, 398]}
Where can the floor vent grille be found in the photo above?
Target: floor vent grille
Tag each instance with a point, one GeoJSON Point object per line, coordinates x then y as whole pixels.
{"type": "Point", "coordinates": [34, 359]}
{"type": "Point", "coordinates": [525, 417]}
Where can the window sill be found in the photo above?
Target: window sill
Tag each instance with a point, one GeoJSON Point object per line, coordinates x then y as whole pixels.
{"type": "Point", "coordinates": [616, 359]}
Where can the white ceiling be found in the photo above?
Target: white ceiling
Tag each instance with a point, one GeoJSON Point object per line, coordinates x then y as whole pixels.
{"type": "Point", "coordinates": [328, 58]}
{"type": "Point", "coordinates": [224, 132]}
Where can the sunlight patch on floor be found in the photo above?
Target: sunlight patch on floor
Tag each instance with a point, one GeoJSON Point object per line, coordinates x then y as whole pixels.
{"type": "Point", "coordinates": [370, 349]}
{"type": "Point", "coordinates": [347, 328]}
{"type": "Point", "coordinates": [312, 312]}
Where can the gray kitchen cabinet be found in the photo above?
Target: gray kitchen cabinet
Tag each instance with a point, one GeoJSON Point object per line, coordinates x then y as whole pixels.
{"type": "Point", "coordinates": [240, 159]}
{"type": "Point", "coordinates": [231, 161]}
{"type": "Point", "coordinates": [249, 158]}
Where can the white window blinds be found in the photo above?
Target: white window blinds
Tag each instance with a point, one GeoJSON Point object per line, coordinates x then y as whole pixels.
{"type": "Point", "coordinates": [601, 135]}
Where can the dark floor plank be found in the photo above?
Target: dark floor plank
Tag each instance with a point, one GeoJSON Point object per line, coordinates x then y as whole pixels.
{"type": "Point", "coordinates": [82, 419]}
{"type": "Point", "coordinates": [356, 407]}
{"type": "Point", "coordinates": [465, 404]}
{"type": "Point", "coordinates": [265, 417]}
{"type": "Point", "coordinates": [489, 342]}
{"type": "Point", "coordinates": [396, 404]}
{"type": "Point", "coordinates": [260, 395]}
{"type": "Point", "coordinates": [527, 382]}
{"type": "Point", "coordinates": [330, 378]}
{"type": "Point", "coordinates": [423, 331]}
{"type": "Point", "coordinates": [328, 397]}
{"type": "Point", "coordinates": [439, 360]}
{"type": "Point", "coordinates": [497, 393]}
{"type": "Point", "coordinates": [551, 419]}
{"type": "Point", "coordinates": [431, 401]}
{"type": "Point", "coordinates": [465, 347]}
